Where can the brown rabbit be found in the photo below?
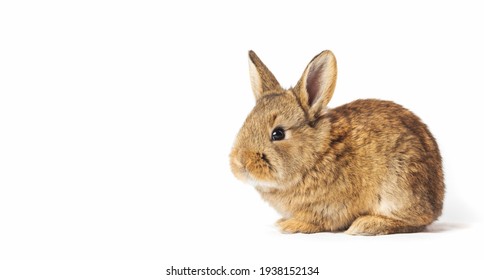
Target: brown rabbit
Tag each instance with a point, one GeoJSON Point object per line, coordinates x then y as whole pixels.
{"type": "Point", "coordinates": [368, 167]}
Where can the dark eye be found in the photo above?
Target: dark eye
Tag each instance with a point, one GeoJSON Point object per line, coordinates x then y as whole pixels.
{"type": "Point", "coordinates": [278, 134]}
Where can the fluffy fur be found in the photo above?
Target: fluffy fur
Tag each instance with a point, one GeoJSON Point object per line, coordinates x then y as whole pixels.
{"type": "Point", "coordinates": [369, 167]}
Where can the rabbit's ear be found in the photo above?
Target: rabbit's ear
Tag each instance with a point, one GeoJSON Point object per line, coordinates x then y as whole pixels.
{"type": "Point", "coordinates": [261, 79]}
{"type": "Point", "coordinates": [316, 86]}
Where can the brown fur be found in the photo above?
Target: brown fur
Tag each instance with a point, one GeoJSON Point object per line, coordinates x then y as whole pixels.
{"type": "Point", "coordinates": [368, 167]}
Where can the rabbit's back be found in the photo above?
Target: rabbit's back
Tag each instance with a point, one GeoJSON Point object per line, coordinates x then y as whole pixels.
{"type": "Point", "coordinates": [390, 157]}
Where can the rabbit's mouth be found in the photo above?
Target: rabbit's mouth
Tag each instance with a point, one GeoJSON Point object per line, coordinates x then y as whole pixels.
{"type": "Point", "coordinates": [253, 168]}
{"type": "Point", "coordinates": [259, 184]}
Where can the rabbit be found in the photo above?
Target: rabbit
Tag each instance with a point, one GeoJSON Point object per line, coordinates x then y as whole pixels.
{"type": "Point", "coordinates": [369, 167]}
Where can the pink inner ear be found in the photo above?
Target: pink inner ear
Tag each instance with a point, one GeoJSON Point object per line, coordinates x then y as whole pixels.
{"type": "Point", "coordinates": [314, 84]}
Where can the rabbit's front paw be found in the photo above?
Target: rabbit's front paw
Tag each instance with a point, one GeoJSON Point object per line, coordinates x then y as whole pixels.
{"type": "Point", "coordinates": [292, 225]}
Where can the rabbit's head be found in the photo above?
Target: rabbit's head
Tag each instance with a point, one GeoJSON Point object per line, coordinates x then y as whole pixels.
{"type": "Point", "coordinates": [283, 135]}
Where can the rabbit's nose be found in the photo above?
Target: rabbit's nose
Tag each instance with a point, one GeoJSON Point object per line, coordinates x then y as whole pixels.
{"type": "Point", "coordinates": [251, 158]}
{"type": "Point", "coordinates": [241, 158]}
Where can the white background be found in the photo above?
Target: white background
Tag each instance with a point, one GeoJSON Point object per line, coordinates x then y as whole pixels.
{"type": "Point", "coordinates": [117, 118]}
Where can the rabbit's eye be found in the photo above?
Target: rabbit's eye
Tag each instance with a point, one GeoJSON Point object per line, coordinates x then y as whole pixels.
{"type": "Point", "coordinates": [278, 134]}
